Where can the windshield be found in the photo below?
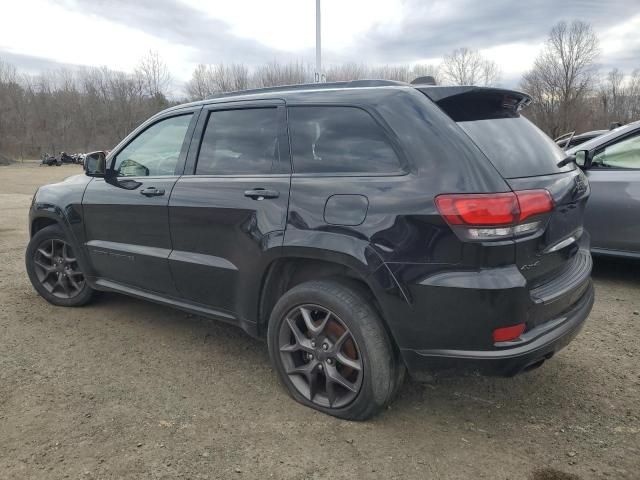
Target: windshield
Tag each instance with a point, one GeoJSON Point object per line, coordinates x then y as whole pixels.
{"type": "Point", "coordinates": [516, 147]}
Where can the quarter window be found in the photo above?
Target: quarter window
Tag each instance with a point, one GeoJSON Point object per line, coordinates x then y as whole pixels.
{"type": "Point", "coordinates": [155, 152]}
{"type": "Point", "coordinates": [237, 142]}
{"type": "Point", "coordinates": [339, 140]}
{"type": "Point", "coordinates": [624, 154]}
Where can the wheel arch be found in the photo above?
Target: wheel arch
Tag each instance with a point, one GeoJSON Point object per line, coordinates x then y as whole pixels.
{"type": "Point", "coordinates": [41, 217]}
{"type": "Point", "coordinates": [38, 223]}
{"type": "Point", "coordinates": [374, 281]}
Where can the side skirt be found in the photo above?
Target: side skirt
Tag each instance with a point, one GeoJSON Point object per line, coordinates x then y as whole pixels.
{"type": "Point", "coordinates": [195, 308]}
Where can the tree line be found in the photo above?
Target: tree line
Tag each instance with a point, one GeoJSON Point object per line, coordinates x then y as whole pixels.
{"type": "Point", "coordinates": [77, 109]}
{"type": "Point", "coordinates": [93, 108]}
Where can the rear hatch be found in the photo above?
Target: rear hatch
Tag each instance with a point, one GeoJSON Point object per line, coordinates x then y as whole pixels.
{"type": "Point", "coordinates": [554, 257]}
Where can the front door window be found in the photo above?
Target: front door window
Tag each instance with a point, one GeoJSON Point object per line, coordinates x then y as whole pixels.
{"type": "Point", "coordinates": [623, 154]}
{"type": "Point", "coordinates": [155, 152]}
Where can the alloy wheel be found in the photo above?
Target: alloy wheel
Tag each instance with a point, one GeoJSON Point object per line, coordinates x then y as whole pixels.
{"type": "Point", "coordinates": [57, 269]}
{"type": "Point", "coordinates": [320, 356]}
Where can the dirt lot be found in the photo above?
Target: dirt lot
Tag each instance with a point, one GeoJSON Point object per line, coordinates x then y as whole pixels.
{"type": "Point", "coordinates": [128, 389]}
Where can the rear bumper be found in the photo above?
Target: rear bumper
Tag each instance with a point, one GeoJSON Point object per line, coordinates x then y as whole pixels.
{"type": "Point", "coordinates": [541, 344]}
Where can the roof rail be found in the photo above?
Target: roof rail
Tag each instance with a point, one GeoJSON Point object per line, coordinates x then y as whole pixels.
{"type": "Point", "coordinates": [314, 86]}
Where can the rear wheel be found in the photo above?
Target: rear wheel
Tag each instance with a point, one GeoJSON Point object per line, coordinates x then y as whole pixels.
{"type": "Point", "coordinates": [53, 269]}
{"type": "Point", "coordinates": [331, 350]}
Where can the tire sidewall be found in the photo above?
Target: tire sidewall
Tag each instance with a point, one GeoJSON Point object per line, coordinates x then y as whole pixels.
{"type": "Point", "coordinates": [365, 325]}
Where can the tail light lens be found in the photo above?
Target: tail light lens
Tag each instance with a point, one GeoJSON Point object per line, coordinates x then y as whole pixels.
{"type": "Point", "coordinates": [533, 202]}
{"type": "Point", "coordinates": [508, 334]}
{"type": "Point", "coordinates": [487, 216]}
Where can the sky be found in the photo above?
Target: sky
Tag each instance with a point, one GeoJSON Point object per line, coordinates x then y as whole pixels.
{"type": "Point", "coordinates": [37, 35]}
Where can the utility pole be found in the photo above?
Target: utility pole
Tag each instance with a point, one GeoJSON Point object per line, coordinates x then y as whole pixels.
{"type": "Point", "coordinates": [319, 76]}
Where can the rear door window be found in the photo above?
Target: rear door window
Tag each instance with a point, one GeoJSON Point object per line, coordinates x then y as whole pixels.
{"type": "Point", "coordinates": [240, 142]}
{"type": "Point", "coordinates": [516, 147]}
{"type": "Point", "coordinates": [334, 139]}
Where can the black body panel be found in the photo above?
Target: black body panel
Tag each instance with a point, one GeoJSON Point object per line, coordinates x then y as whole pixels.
{"type": "Point", "coordinates": [127, 233]}
{"type": "Point", "coordinates": [221, 238]}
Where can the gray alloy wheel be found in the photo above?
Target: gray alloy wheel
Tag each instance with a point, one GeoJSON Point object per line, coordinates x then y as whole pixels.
{"type": "Point", "coordinates": [54, 269]}
{"type": "Point", "coordinates": [57, 269]}
{"type": "Point", "coordinates": [330, 349]}
{"type": "Point", "coordinates": [320, 356]}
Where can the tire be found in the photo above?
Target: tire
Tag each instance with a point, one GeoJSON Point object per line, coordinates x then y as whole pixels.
{"type": "Point", "coordinates": [346, 305]}
{"type": "Point", "coordinates": [71, 289]}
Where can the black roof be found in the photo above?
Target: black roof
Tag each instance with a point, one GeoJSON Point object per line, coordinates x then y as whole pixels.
{"type": "Point", "coordinates": [300, 91]}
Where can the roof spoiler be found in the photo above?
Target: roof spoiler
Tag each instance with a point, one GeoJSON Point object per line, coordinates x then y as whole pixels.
{"type": "Point", "coordinates": [426, 80]}
{"type": "Point", "coordinates": [468, 103]}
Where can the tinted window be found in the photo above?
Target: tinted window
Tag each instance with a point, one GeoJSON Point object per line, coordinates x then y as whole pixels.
{"type": "Point", "coordinates": [516, 147]}
{"type": "Point", "coordinates": [240, 142]}
{"type": "Point", "coordinates": [624, 154]}
{"type": "Point", "coordinates": [339, 140]}
{"type": "Point", "coordinates": [155, 151]}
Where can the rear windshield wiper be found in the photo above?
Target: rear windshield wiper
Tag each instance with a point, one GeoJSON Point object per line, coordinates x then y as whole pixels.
{"type": "Point", "coordinates": [567, 160]}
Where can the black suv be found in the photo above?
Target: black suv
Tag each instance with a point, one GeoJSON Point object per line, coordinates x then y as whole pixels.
{"type": "Point", "coordinates": [361, 227]}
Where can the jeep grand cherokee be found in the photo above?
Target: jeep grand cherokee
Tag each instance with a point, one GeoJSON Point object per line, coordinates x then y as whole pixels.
{"type": "Point", "coordinates": [363, 228]}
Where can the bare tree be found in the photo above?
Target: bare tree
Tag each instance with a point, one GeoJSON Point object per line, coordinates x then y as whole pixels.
{"type": "Point", "coordinates": [633, 94]}
{"type": "Point", "coordinates": [207, 80]}
{"type": "Point", "coordinates": [153, 75]}
{"type": "Point", "coordinates": [69, 109]}
{"type": "Point", "coordinates": [229, 78]}
{"type": "Point", "coordinates": [201, 85]}
{"type": "Point", "coordinates": [402, 73]}
{"type": "Point", "coordinates": [347, 72]}
{"type": "Point", "coordinates": [619, 97]}
{"type": "Point", "coordinates": [93, 108]}
{"type": "Point", "coordinates": [274, 74]}
{"type": "Point", "coordinates": [465, 66]}
{"type": "Point", "coordinates": [562, 77]}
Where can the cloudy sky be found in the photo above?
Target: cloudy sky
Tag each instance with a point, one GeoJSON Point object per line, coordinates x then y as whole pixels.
{"type": "Point", "coordinates": [36, 35]}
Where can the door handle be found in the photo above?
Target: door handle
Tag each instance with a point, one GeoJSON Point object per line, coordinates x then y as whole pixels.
{"type": "Point", "coordinates": [261, 194]}
{"type": "Point", "coordinates": [152, 192]}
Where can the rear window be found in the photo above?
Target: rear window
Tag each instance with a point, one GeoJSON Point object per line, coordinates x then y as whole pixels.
{"type": "Point", "coordinates": [328, 139]}
{"type": "Point", "coordinates": [516, 147]}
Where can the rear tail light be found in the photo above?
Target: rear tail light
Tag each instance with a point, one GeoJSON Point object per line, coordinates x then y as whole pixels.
{"type": "Point", "coordinates": [487, 216]}
{"type": "Point", "coordinates": [533, 202]}
{"type": "Point", "coordinates": [508, 334]}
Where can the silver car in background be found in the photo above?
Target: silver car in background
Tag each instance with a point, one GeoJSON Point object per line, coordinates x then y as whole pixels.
{"type": "Point", "coordinates": [612, 164]}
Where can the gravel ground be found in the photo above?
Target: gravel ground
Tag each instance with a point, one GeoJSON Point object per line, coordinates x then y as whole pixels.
{"type": "Point", "coordinates": [128, 389]}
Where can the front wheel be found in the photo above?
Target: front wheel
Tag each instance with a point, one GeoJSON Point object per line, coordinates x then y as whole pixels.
{"type": "Point", "coordinates": [331, 350]}
{"type": "Point", "coordinates": [54, 271]}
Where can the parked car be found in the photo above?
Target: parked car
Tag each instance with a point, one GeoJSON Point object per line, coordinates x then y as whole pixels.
{"type": "Point", "coordinates": [50, 160]}
{"type": "Point", "coordinates": [66, 158]}
{"type": "Point", "coordinates": [360, 227]}
{"type": "Point", "coordinates": [612, 164]}
{"type": "Point", "coordinates": [570, 140]}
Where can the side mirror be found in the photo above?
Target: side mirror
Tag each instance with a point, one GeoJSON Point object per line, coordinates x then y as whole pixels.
{"type": "Point", "coordinates": [583, 158]}
{"type": "Point", "coordinates": [95, 164]}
